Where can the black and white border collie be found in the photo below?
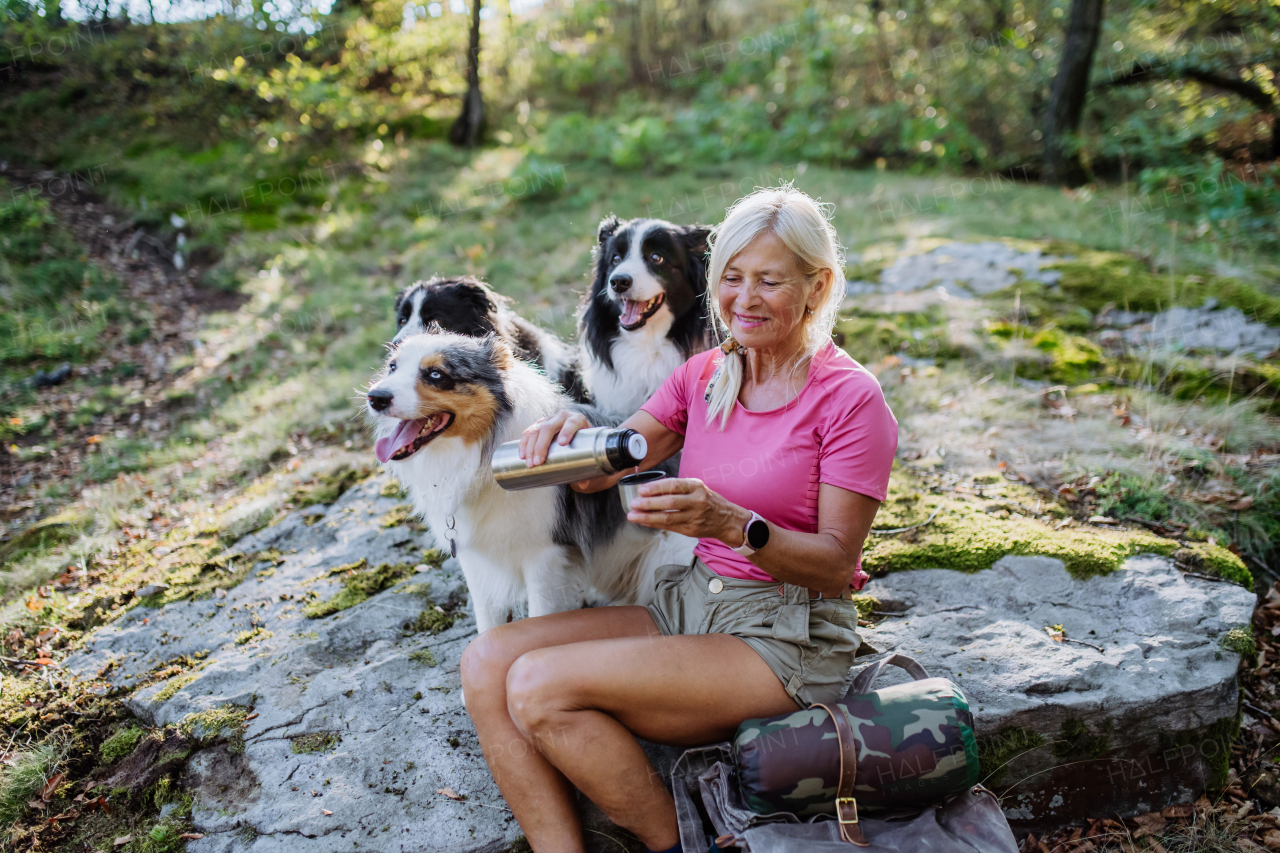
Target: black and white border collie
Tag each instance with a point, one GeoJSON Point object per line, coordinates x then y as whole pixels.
{"type": "Point", "coordinates": [469, 306]}
{"type": "Point", "coordinates": [441, 406]}
{"type": "Point", "coordinates": [646, 312]}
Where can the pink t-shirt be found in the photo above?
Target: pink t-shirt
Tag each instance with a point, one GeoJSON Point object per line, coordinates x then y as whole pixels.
{"type": "Point", "coordinates": [838, 430]}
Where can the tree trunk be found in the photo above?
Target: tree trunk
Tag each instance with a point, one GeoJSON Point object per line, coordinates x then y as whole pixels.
{"type": "Point", "coordinates": [468, 129]}
{"type": "Point", "coordinates": [1070, 85]}
{"type": "Point", "coordinates": [633, 45]}
{"type": "Point", "coordinates": [704, 22]}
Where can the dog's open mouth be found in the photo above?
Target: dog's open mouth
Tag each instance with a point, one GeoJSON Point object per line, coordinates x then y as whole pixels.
{"type": "Point", "coordinates": [411, 436]}
{"type": "Point", "coordinates": [635, 312]}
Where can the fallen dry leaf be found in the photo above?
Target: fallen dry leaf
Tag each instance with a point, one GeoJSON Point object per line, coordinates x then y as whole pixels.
{"type": "Point", "coordinates": [123, 840]}
{"type": "Point", "coordinates": [191, 836]}
{"type": "Point", "coordinates": [326, 812]}
{"type": "Point", "coordinates": [252, 716]}
{"type": "Point", "coordinates": [450, 793]}
{"type": "Point", "coordinates": [47, 791]}
{"type": "Point", "coordinates": [1182, 810]}
{"type": "Point", "coordinates": [1149, 824]}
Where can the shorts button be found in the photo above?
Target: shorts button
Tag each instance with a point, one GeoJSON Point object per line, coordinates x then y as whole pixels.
{"type": "Point", "coordinates": [716, 585]}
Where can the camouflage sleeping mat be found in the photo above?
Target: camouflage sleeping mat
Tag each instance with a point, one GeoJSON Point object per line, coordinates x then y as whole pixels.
{"type": "Point", "coordinates": [914, 744]}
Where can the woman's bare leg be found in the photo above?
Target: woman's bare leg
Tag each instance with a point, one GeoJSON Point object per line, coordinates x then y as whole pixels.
{"type": "Point", "coordinates": [582, 705]}
{"type": "Point", "coordinates": [540, 797]}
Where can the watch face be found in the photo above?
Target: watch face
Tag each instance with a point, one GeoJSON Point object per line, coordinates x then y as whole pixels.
{"type": "Point", "coordinates": [757, 533]}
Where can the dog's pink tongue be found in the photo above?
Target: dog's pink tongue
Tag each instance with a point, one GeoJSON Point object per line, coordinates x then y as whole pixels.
{"type": "Point", "coordinates": [385, 448]}
{"type": "Point", "coordinates": [631, 310]}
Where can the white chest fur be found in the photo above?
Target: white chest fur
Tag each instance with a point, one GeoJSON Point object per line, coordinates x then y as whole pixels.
{"type": "Point", "coordinates": [642, 361]}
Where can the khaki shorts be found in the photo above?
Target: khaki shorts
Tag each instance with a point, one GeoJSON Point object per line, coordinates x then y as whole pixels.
{"type": "Point", "coordinates": [808, 643]}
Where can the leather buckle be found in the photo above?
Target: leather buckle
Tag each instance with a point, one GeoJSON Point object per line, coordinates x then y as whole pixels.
{"type": "Point", "coordinates": [840, 807]}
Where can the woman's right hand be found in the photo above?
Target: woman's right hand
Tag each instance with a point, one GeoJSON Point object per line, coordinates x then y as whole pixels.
{"type": "Point", "coordinates": [561, 427]}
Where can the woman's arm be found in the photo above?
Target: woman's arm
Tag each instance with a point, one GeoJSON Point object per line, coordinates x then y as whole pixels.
{"type": "Point", "coordinates": [536, 440]}
{"type": "Point", "coordinates": [823, 561]}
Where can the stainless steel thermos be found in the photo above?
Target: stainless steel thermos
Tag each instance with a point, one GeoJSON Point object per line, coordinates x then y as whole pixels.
{"type": "Point", "coordinates": [593, 452]}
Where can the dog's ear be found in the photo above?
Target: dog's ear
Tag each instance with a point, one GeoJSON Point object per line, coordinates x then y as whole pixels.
{"type": "Point", "coordinates": [697, 239]}
{"type": "Point", "coordinates": [434, 328]}
{"type": "Point", "coordinates": [494, 298]}
{"type": "Point", "coordinates": [499, 351]}
{"type": "Point", "coordinates": [697, 245]}
{"type": "Point", "coordinates": [608, 226]}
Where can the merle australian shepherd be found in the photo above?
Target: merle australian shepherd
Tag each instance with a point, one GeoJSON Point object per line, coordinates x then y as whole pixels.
{"type": "Point", "coordinates": [646, 312]}
{"type": "Point", "coordinates": [441, 406]}
{"type": "Point", "coordinates": [469, 306]}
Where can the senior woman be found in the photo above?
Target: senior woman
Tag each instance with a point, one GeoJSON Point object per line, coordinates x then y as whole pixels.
{"type": "Point", "coordinates": [787, 444]}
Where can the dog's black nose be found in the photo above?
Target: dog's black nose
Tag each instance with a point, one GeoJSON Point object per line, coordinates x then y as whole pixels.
{"type": "Point", "coordinates": [620, 283]}
{"type": "Point", "coordinates": [380, 399]}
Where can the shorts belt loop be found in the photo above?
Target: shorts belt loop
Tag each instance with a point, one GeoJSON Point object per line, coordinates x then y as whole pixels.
{"type": "Point", "coordinates": [793, 685]}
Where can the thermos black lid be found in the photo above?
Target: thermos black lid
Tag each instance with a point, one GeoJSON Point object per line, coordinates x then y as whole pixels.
{"type": "Point", "coordinates": [625, 448]}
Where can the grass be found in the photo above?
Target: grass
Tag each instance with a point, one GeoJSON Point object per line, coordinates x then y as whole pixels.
{"type": "Point", "coordinates": [26, 774]}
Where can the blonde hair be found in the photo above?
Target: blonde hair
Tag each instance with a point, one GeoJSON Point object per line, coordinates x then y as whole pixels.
{"type": "Point", "coordinates": [804, 226]}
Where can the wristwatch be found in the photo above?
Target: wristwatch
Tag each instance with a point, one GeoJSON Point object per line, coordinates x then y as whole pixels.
{"type": "Point", "coordinates": [755, 535]}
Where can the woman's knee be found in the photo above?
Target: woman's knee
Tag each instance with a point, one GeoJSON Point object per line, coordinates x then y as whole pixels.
{"type": "Point", "coordinates": [484, 664]}
{"type": "Point", "coordinates": [535, 692]}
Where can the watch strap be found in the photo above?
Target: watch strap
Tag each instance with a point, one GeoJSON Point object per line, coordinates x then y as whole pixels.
{"type": "Point", "coordinates": [745, 548]}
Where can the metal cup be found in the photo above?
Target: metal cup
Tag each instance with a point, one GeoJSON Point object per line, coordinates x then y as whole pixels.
{"type": "Point", "coordinates": [628, 486]}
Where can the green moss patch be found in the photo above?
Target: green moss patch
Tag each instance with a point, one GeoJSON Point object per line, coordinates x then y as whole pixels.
{"type": "Point", "coordinates": [1240, 640]}
{"type": "Point", "coordinates": [172, 686]}
{"type": "Point", "coordinates": [1097, 279]}
{"type": "Point", "coordinates": [1077, 741]}
{"type": "Point", "coordinates": [327, 488]}
{"type": "Point", "coordinates": [225, 723]}
{"type": "Point", "coordinates": [435, 619]}
{"type": "Point", "coordinates": [424, 656]}
{"type": "Point", "coordinates": [121, 744]}
{"type": "Point", "coordinates": [996, 751]}
{"type": "Point", "coordinates": [315, 742]}
{"type": "Point", "coordinates": [1214, 560]}
{"type": "Point", "coordinates": [965, 539]}
{"type": "Point", "coordinates": [357, 586]}
{"type": "Point", "coordinates": [401, 514]}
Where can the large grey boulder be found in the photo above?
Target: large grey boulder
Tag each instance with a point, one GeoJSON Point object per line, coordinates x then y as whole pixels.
{"type": "Point", "coordinates": [1143, 720]}
{"type": "Point", "coordinates": [388, 729]}
{"type": "Point", "coordinates": [353, 718]}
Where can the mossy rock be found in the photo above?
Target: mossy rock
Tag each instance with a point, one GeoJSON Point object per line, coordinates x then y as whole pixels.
{"type": "Point", "coordinates": [1097, 279]}
{"type": "Point", "coordinates": [359, 585]}
{"type": "Point", "coordinates": [1214, 560]}
{"type": "Point", "coordinates": [965, 539]}
{"type": "Point", "coordinates": [315, 742]}
{"type": "Point", "coordinates": [327, 488]}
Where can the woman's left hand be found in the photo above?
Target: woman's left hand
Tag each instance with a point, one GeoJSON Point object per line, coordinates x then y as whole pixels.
{"type": "Point", "coordinates": [685, 505]}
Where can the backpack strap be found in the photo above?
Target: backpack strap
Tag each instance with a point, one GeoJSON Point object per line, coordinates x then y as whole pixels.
{"type": "Point", "coordinates": [846, 805]}
{"type": "Point", "coordinates": [862, 683]}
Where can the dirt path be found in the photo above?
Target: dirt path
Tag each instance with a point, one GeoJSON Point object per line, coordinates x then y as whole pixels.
{"type": "Point", "coordinates": [158, 288]}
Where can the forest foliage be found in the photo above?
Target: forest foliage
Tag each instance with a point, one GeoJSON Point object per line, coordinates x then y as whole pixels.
{"type": "Point", "coordinates": [1183, 97]}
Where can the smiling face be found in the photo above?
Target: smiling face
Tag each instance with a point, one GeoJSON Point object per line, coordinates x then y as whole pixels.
{"type": "Point", "coordinates": [438, 385]}
{"type": "Point", "coordinates": [763, 294]}
{"type": "Point", "coordinates": [646, 265]}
